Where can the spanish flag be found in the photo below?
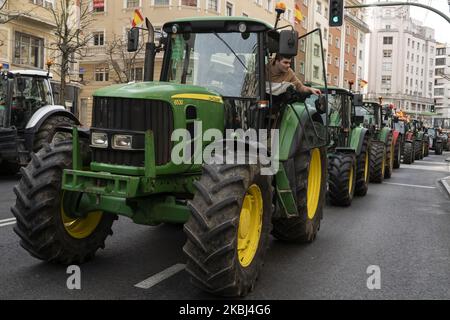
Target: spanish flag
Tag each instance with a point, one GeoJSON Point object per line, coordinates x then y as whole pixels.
{"type": "Point", "coordinates": [298, 14]}
{"type": "Point", "coordinates": [138, 19]}
{"type": "Point", "coordinates": [363, 83]}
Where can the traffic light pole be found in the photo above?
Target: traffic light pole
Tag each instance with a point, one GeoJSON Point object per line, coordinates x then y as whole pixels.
{"type": "Point", "coordinates": [396, 4]}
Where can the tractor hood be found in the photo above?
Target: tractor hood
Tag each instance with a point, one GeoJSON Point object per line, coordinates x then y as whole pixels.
{"type": "Point", "coordinates": [157, 91]}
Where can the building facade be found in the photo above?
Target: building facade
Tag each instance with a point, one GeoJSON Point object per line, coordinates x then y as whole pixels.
{"type": "Point", "coordinates": [442, 80]}
{"type": "Point", "coordinates": [402, 57]}
{"type": "Point", "coordinates": [26, 32]}
{"type": "Point", "coordinates": [114, 18]}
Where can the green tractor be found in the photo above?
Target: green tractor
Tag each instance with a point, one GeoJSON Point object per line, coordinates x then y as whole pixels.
{"type": "Point", "coordinates": [349, 148]}
{"type": "Point", "coordinates": [128, 163]}
{"type": "Point", "coordinates": [382, 148]}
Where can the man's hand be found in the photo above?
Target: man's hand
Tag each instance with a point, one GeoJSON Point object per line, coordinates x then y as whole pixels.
{"type": "Point", "coordinates": [315, 91]}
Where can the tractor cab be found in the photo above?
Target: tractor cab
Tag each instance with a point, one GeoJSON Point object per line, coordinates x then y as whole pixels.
{"type": "Point", "coordinates": [22, 93]}
{"type": "Point", "coordinates": [370, 115]}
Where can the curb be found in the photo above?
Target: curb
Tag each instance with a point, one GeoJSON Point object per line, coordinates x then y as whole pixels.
{"type": "Point", "coordinates": [446, 184]}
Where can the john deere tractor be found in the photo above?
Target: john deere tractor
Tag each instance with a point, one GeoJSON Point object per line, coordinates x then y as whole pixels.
{"type": "Point", "coordinates": [349, 148]}
{"type": "Point", "coordinates": [28, 116]}
{"type": "Point", "coordinates": [382, 147]}
{"type": "Point", "coordinates": [140, 158]}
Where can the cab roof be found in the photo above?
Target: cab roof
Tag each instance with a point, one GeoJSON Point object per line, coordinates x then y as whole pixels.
{"type": "Point", "coordinates": [36, 73]}
{"type": "Point", "coordinates": [217, 24]}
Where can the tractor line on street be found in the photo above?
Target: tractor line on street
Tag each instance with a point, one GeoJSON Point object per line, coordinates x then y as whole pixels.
{"type": "Point", "coordinates": [161, 276]}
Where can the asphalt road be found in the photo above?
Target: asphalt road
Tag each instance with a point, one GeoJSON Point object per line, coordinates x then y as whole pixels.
{"type": "Point", "coordinates": [401, 226]}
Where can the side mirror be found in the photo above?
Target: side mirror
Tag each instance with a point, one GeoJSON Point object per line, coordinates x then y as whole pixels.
{"type": "Point", "coordinates": [288, 43]}
{"type": "Point", "coordinates": [358, 100]}
{"type": "Point", "coordinates": [21, 84]}
{"type": "Point", "coordinates": [133, 40]}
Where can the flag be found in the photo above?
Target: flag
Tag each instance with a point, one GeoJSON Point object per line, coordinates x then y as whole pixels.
{"type": "Point", "coordinates": [138, 19]}
{"type": "Point", "coordinates": [298, 14]}
{"type": "Point", "coordinates": [363, 83]}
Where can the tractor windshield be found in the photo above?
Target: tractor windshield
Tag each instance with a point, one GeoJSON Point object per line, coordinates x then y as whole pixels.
{"type": "Point", "coordinates": [36, 91]}
{"type": "Point", "coordinates": [370, 112]}
{"type": "Point", "coordinates": [224, 62]}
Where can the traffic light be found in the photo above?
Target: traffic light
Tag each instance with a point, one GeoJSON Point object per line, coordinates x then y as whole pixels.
{"type": "Point", "coordinates": [432, 109]}
{"type": "Point", "coordinates": [336, 13]}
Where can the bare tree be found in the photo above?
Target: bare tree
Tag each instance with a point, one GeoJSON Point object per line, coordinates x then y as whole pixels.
{"type": "Point", "coordinates": [72, 19]}
{"type": "Point", "coordinates": [122, 61]}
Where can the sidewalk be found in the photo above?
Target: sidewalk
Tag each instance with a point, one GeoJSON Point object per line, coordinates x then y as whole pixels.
{"type": "Point", "coordinates": [446, 181]}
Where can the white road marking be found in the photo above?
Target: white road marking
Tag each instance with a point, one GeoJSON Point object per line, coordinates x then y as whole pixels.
{"type": "Point", "coordinates": [434, 162]}
{"type": "Point", "coordinates": [7, 220]}
{"type": "Point", "coordinates": [427, 168]}
{"type": "Point", "coordinates": [7, 224]}
{"type": "Point", "coordinates": [409, 185]}
{"type": "Point", "coordinates": [163, 275]}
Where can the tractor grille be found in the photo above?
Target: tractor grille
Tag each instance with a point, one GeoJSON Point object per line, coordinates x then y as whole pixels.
{"type": "Point", "coordinates": [121, 114]}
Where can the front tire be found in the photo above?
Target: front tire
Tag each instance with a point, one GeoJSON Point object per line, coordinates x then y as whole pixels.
{"type": "Point", "coordinates": [390, 151]}
{"type": "Point", "coordinates": [310, 187]}
{"type": "Point", "coordinates": [397, 154]}
{"type": "Point", "coordinates": [377, 162]}
{"type": "Point", "coordinates": [45, 228]}
{"type": "Point", "coordinates": [228, 231]}
{"type": "Point", "coordinates": [408, 153]}
{"type": "Point", "coordinates": [341, 179]}
{"type": "Point", "coordinates": [363, 168]}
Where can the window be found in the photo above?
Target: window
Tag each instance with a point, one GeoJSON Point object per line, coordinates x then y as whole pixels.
{"type": "Point", "coordinates": [412, 57]}
{"type": "Point", "coordinates": [98, 6]}
{"type": "Point", "coordinates": [302, 68]}
{"type": "Point", "coordinates": [302, 45]}
{"type": "Point", "coordinates": [337, 43]}
{"type": "Point", "coordinates": [387, 40]}
{"type": "Point", "coordinates": [213, 5]}
{"type": "Point", "coordinates": [189, 3]}
{"type": "Point", "coordinates": [329, 59]}
{"type": "Point", "coordinates": [407, 68]}
{"type": "Point", "coordinates": [387, 53]}
{"type": "Point", "coordinates": [136, 74]}
{"type": "Point", "coordinates": [347, 48]}
{"type": "Point", "coordinates": [440, 61]}
{"type": "Point", "coordinates": [413, 44]}
{"type": "Point", "coordinates": [440, 51]}
{"type": "Point", "coordinates": [346, 65]}
{"type": "Point", "coordinates": [386, 80]}
{"type": "Point", "coordinates": [359, 72]}
{"type": "Point", "coordinates": [316, 50]}
{"type": "Point", "coordinates": [335, 80]}
{"type": "Point", "coordinates": [409, 42]}
{"type": "Point", "coordinates": [438, 91]}
{"type": "Point", "coordinates": [161, 2]}
{"type": "Point", "coordinates": [388, 27]}
{"type": "Point", "coordinates": [354, 51]}
{"type": "Point", "coordinates": [360, 54]}
{"type": "Point", "coordinates": [44, 3]}
{"type": "Point", "coordinates": [102, 74]}
{"type": "Point", "coordinates": [336, 62]}
{"type": "Point", "coordinates": [407, 81]}
{"type": "Point", "coordinates": [347, 30]}
{"type": "Point", "coordinates": [319, 7]}
{"type": "Point", "coordinates": [269, 5]}
{"type": "Point", "coordinates": [29, 50]}
{"type": "Point", "coordinates": [387, 66]}
{"type": "Point", "coordinates": [133, 3]}
{"type": "Point", "coordinates": [325, 33]}
{"type": "Point", "coordinates": [423, 60]}
{"type": "Point", "coordinates": [99, 38]}
{"type": "Point", "coordinates": [353, 68]}
{"type": "Point", "coordinates": [229, 9]}
{"type": "Point", "coordinates": [316, 72]}
{"type": "Point", "coordinates": [407, 55]}
{"type": "Point", "coordinates": [439, 72]}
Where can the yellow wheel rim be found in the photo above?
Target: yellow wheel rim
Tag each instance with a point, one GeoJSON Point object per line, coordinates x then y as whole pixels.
{"type": "Point", "coordinates": [366, 167]}
{"type": "Point", "coordinates": [250, 225]}
{"type": "Point", "coordinates": [80, 228]}
{"type": "Point", "coordinates": [314, 183]}
{"type": "Point", "coordinates": [350, 181]}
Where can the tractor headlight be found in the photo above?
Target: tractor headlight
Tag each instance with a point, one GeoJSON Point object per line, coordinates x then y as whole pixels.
{"type": "Point", "coordinates": [123, 142]}
{"type": "Point", "coordinates": [99, 140]}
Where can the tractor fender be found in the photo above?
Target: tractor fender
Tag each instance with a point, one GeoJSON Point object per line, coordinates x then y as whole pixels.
{"type": "Point", "coordinates": [396, 135]}
{"type": "Point", "coordinates": [43, 113]}
{"type": "Point", "coordinates": [357, 139]}
{"type": "Point", "coordinates": [293, 136]}
{"type": "Point", "coordinates": [38, 119]}
{"type": "Point", "coordinates": [384, 134]}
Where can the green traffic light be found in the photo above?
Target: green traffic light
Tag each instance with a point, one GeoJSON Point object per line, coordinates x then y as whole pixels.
{"type": "Point", "coordinates": [335, 19]}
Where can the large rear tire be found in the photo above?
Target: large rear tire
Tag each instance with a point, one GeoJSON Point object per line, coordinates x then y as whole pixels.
{"type": "Point", "coordinates": [311, 175]}
{"type": "Point", "coordinates": [341, 178]}
{"type": "Point", "coordinates": [45, 227]}
{"type": "Point", "coordinates": [228, 231]}
{"type": "Point", "coordinates": [390, 151]}
{"type": "Point", "coordinates": [418, 150]}
{"type": "Point", "coordinates": [397, 153]}
{"type": "Point", "coordinates": [363, 168]}
{"type": "Point", "coordinates": [47, 130]}
{"type": "Point", "coordinates": [408, 153]}
{"type": "Point", "coordinates": [377, 161]}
